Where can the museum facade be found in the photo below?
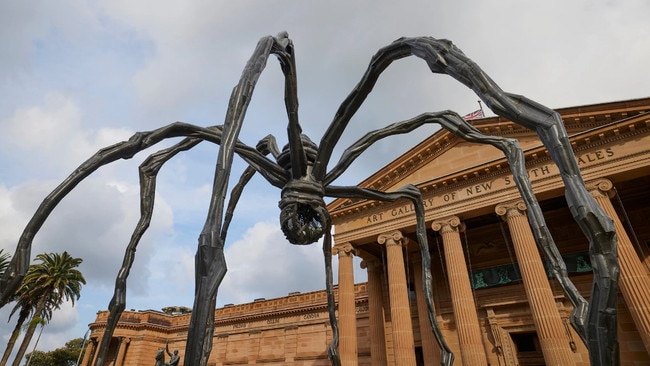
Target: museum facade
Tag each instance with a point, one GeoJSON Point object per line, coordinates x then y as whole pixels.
{"type": "Point", "coordinates": [495, 298]}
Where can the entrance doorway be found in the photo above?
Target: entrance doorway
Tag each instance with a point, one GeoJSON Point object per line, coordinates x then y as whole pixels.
{"type": "Point", "coordinates": [419, 356]}
{"type": "Point", "coordinates": [529, 352]}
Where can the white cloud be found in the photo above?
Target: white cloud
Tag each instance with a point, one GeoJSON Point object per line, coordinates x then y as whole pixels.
{"type": "Point", "coordinates": [64, 318]}
{"type": "Point", "coordinates": [47, 126]}
{"type": "Point", "coordinates": [53, 137]}
{"type": "Point", "coordinates": [11, 220]}
{"type": "Point", "coordinates": [83, 75]}
{"type": "Point", "coordinates": [94, 223]}
{"type": "Point", "coordinates": [264, 264]}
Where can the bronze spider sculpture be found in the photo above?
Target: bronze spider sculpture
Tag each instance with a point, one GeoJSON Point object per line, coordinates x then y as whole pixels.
{"type": "Point", "coordinates": [300, 171]}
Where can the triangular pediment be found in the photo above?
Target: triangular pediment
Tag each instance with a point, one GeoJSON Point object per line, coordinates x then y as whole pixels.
{"type": "Point", "coordinates": [458, 156]}
{"type": "Point", "coordinates": [445, 155]}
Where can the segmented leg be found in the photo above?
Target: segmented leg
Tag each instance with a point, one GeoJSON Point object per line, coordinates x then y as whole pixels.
{"type": "Point", "coordinates": [443, 57]}
{"type": "Point", "coordinates": [210, 264]}
{"type": "Point", "coordinates": [123, 150]}
{"type": "Point", "coordinates": [266, 146]}
{"type": "Point", "coordinates": [148, 173]}
{"type": "Point", "coordinates": [333, 348]}
{"type": "Point", "coordinates": [544, 240]}
{"type": "Point", "coordinates": [601, 316]}
{"type": "Point", "coordinates": [413, 194]}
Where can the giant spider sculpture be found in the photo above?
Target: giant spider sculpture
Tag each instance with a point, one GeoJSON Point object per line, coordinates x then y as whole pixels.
{"type": "Point", "coordinates": [300, 171]}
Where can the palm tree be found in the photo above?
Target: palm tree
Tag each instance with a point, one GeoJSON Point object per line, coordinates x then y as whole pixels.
{"type": "Point", "coordinates": [25, 306]}
{"type": "Point", "coordinates": [48, 284]}
{"type": "Point", "coordinates": [23, 315]}
{"type": "Point", "coordinates": [41, 322]}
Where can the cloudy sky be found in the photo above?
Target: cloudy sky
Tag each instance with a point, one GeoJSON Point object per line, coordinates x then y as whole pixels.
{"type": "Point", "coordinates": [79, 75]}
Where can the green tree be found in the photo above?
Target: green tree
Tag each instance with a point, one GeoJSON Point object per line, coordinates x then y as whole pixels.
{"type": "Point", "coordinates": [48, 284]}
{"type": "Point", "coordinates": [68, 354]}
{"type": "Point", "coordinates": [40, 358]}
{"type": "Point", "coordinates": [64, 356]}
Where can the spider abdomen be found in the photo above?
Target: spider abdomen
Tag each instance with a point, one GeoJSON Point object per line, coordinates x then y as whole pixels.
{"type": "Point", "coordinates": [303, 216]}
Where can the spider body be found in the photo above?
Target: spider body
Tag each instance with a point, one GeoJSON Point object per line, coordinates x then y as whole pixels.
{"type": "Point", "coordinates": [300, 171]}
{"type": "Point", "coordinates": [303, 216]}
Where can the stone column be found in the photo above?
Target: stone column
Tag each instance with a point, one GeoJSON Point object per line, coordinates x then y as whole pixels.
{"type": "Point", "coordinates": [347, 313]}
{"type": "Point", "coordinates": [96, 353]}
{"type": "Point", "coordinates": [123, 344]}
{"type": "Point", "coordinates": [551, 332]}
{"type": "Point", "coordinates": [400, 311]}
{"type": "Point", "coordinates": [469, 333]}
{"type": "Point", "coordinates": [633, 279]}
{"type": "Point", "coordinates": [90, 351]}
{"type": "Point", "coordinates": [430, 348]}
{"type": "Point", "coordinates": [376, 310]}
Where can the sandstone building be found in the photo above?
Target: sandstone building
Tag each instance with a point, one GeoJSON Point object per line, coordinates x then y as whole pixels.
{"type": "Point", "coordinates": [494, 298]}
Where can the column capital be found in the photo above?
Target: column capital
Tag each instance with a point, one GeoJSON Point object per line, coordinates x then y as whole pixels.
{"type": "Point", "coordinates": [446, 224]}
{"type": "Point", "coordinates": [601, 188]}
{"type": "Point", "coordinates": [370, 263]}
{"type": "Point", "coordinates": [510, 209]}
{"type": "Point", "coordinates": [392, 238]}
{"type": "Point", "coordinates": [344, 250]}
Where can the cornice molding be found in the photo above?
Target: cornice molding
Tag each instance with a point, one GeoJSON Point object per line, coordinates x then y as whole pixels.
{"type": "Point", "coordinates": [315, 301]}
{"type": "Point", "coordinates": [168, 329]}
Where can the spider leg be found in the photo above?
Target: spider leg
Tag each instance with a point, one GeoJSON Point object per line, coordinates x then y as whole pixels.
{"type": "Point", "coordinates": [265, 146]}
{"type": "Point", "coordinates": [268, 145]}
{"type": "Point", "coordinates": [443, 57]}
{"type": "Point", "coordinates": [288, 64]}
{"type": "Point", "coordinates": [413, 194]}
{"type": "Point", "coordinates": [543, 237]}
{"type": "Point", "coordinates": [124, 150]}
{"type": "Point", "coordinates": [600, 315]}
{"type": "Point", "coordinates": [254, 157]}
{"type": "Point", "coordinates": [148, 173]}
{"type": "Point", "coordinates": [510, 147]}
{"type": "Point", "coordinates": [333, 349]}
{"type": "Point", "coordinates": [210, 264]}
